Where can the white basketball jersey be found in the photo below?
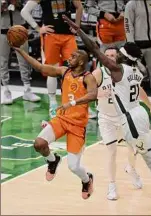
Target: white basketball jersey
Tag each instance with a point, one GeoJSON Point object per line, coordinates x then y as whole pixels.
{"type": "Point", "coordinates": [126, 92]}
{"type": "Point", "coordinates": [105, 104]}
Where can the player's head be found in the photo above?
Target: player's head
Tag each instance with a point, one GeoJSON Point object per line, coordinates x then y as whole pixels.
{"type": "Point", "coordinates": [129, 53]}
{"type": "Point", "coordinates": [111, 52]}
{"type": "Point", "coordinates": [79, 58]}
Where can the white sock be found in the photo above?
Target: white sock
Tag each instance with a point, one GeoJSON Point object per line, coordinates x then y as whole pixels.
{"type": "Point", "coordinates": [26, 87]}
{"type": "Point", "coordinates": [6, 88]}
{"type": "Point", "coordinates": [112, 162]}
{"type": "Point", "coordinates": [50, 157]}
{"type": "Point", "coordinates": [52, 98]}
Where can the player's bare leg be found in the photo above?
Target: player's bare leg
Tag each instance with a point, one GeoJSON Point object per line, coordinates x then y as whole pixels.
{"type": "Point", "coordinates": [41, 145]}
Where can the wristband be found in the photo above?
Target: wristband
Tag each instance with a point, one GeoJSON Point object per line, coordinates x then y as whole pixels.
{"type": "Point", "coordinates": [73, 103]}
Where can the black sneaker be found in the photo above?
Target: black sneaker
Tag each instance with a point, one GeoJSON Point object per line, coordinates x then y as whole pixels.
{"type": "Point", "coordinates": [52, 166]}
{"type": "Point", "coordinates": [87, 188]}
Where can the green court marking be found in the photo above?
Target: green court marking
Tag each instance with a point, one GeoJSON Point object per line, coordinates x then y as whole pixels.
{"type": "Point", "coordinates": [5, 118]}
{"type": "Point", "coordinates": [18, 155]}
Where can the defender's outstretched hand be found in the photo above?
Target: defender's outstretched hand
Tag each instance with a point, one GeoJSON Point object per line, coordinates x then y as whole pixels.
{"type": "Point", "coordinates": [71, 23]}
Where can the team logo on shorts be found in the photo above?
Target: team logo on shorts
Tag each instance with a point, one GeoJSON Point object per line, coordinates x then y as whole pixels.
{"type": "Point", "coordinates": [74, 87]}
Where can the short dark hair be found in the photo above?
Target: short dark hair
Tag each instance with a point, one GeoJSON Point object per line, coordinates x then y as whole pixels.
{"type": "Point", "coordinates": [112, 48]}
{"type": "Point", "coordinates": [84, 56]}
{"type": "Point", "coordinates": [133, 50]}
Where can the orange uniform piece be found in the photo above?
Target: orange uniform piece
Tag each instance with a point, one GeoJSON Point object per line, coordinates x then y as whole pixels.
{"type": "Point", "coordinates": [110, 32]}
{"type": "Point", "coordinates": [74, 120]}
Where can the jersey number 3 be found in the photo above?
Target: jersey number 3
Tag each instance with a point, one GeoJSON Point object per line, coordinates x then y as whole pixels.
{"type": "Point", "coordinates": [71, 97]}
{"type": "Point", "coordinates": [134, 92]}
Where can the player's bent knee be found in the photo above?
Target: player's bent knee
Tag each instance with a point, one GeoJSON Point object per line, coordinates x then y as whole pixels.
{"type": "Point", "coordinates": [40, 144]}
{"type": "Point", "coordinates": [72, 167]}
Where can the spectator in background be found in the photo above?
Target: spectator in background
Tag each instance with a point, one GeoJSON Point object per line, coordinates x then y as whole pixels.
{"type": "Point", "coordinates": [10, 15]}
{"type": "Point", "coordinates": [58, 41]}
{"type": "Point", "coordinates": [138, 27]}
{"type": "Point", "coordinates": [110, 25]}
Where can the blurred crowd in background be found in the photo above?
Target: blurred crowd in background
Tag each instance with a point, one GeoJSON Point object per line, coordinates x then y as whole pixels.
{"type": "Point", "coordinates": [108, 22]}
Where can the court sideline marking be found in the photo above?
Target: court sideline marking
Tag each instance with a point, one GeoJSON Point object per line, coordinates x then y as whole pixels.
{"type": "Point", "coordinates": [6, 118]}
{"type": "Point", "coordinates": [63, 157]}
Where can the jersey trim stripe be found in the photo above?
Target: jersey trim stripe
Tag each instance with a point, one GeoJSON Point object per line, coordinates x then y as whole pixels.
{"type": "Point", "coordinates": [102, 78]}
{"type": "Point", "coordinates": [129, 118]}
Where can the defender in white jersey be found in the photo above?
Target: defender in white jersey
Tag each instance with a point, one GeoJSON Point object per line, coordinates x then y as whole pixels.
{"type": "Point", "coordinates": [126, 78]}
{"type": "Point", "coordinates": [138, 136]}
{"type": "Point", "coordinates": [109, 123]}
{"type": "Point", "coordinates": [134, 118]}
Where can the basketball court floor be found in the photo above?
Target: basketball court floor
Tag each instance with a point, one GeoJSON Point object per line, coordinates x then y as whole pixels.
{"type": "Point", "coordinates": [24, 190]}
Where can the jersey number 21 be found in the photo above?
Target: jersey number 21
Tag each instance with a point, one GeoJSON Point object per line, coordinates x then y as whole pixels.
{"type": "Point", "coordinates": [134, 92]}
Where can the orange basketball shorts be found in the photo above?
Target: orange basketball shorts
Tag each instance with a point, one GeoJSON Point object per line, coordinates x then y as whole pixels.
{"type": "Point", "coordinates": [110, 32]}
{"type": "Point", "coordinates": [58, 47]}
{"type": "Point", "coordinates": [75, 134]}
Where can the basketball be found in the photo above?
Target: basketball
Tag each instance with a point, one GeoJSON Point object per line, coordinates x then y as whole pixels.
{"type": "Point", "coordinates": [17, 35]}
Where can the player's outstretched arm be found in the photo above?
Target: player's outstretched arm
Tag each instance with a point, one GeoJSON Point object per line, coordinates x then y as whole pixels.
{"type": "Point", "coordinates": [94, 48]}
{"type": "Point", "coordinates": [48, 70]}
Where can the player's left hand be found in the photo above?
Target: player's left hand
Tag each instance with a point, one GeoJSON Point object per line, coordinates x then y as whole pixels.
{"type": "Point", "coordinates": [15, 48]}
{"type": "Point", "coordinates": [63, 107]}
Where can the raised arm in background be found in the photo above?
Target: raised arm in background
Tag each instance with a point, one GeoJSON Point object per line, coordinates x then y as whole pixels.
{"type": "Point", "coordinates": [129, 19]}
{"type": "Point", "coordinates": [116, 72]}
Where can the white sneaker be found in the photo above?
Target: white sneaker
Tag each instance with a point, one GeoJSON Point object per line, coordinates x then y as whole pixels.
{"type": "Point", "coordinates": [112, 193]}
{"type": "Point", "coordinates": [29, 96]}
{"type": "Point", "coordinates": [52, 110]}
{"type": "Point", "coordinates": [92, 114]}
{"type": "Point", "coordinates": [136, 181]}
{"type": "Point", "coordinates": [7, 97]}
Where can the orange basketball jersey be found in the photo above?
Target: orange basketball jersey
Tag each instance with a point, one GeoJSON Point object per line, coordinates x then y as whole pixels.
{"type": "Point", "coordinates": [73, 88]}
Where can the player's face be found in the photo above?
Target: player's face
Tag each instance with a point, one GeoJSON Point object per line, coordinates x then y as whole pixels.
{"type": "Point", "coordinates": [74, 60]}
{"type": "Point", "coordinates": [111, 54]}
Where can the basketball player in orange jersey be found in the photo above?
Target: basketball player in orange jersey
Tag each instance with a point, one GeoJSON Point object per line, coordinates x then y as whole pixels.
{"type": "Point", "coordinates": [78, 88]}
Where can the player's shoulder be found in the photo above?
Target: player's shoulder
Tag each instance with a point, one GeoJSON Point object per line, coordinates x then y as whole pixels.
{"type": "Point", "coordinates": [88, 77]}
{"type": "Point", "coordinates": [131, 4]}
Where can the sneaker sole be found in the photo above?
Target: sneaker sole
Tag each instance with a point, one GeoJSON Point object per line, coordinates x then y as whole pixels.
{"type": "Point", "coordinates": [50, 177]}
{"type": "Point", "coordinates": [87, 195]}
{"type": "Point", "coordinates": [114, 199]}
{"type": "Point", "coordinates": [7, 103]}
{"type": "Point", "coordinates": [136, 187]}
